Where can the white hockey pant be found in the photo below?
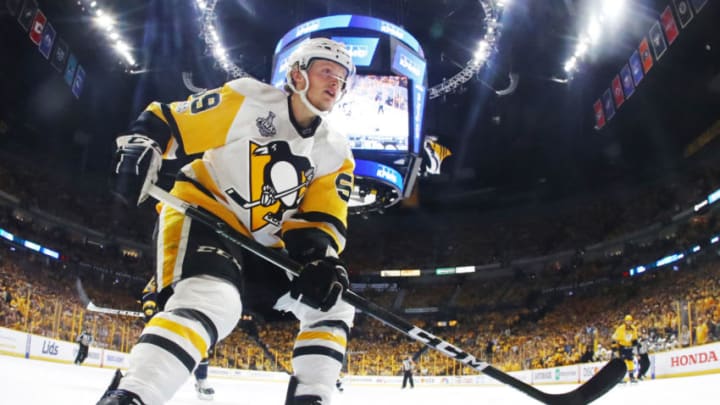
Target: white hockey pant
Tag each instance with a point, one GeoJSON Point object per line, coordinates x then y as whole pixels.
{"type": "Point", "coordinates": [202, 311]}
{"type": "Point", "coordinates": [320, 346]}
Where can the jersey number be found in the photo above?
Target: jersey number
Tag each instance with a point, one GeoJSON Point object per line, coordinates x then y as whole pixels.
{"type": "Point", "coordinates": [205, 102]}
{"type": "Point", "coordinates": [344, 185]}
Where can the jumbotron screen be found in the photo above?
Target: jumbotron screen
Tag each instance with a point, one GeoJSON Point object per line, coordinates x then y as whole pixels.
{"type": "Point", "coordinates": [374, 113]}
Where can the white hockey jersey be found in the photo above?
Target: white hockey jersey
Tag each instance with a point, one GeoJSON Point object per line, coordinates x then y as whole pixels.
{"type": "Point", "coordinates": [258, 171]}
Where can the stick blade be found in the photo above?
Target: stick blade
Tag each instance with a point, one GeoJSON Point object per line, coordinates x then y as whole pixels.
{"type": "Point", "coordinates": [602, 382]}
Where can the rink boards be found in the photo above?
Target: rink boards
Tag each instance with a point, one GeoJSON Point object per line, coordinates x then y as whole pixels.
{"type": "Point", "coordinates": [696, 360]}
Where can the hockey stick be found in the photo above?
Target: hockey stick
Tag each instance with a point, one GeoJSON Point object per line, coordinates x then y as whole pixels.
{"type": "Point", "coordinates": [85, 299]}
{"type": "Point", "coordinates": [599, 384]}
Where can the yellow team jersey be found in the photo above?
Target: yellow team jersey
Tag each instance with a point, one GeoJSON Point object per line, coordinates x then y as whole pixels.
{"type": "Point", "coordinates": [625, 336]}
{"type": "Point", "coordinates": [257, 171]}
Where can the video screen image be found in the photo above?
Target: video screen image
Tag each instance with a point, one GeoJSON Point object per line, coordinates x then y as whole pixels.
{"type": "Point", "coordinates": [374, 113]}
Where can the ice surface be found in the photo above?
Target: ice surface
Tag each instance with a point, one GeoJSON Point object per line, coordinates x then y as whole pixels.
{"type": "Point", "coordinates": [38, 382]}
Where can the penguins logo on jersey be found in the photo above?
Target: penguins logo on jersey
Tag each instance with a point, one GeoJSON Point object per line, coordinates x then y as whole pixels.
{"type": "Point", "coordinates": [278, 180]}
{"type": "Point", "coordinates": [265, 125]}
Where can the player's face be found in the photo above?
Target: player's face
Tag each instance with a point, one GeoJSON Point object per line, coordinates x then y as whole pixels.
{"type": "Point", "coordinates": [326, 83]}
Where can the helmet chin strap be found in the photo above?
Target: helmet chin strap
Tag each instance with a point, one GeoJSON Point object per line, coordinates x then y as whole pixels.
{"type": "Point", "coordinates": [303, 96]}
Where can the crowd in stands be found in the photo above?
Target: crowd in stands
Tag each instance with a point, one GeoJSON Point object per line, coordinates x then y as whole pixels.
{"type": "Point", "coordinates": [427, 240]}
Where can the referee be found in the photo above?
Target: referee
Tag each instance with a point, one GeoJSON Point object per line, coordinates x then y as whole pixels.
{"type": "Point", "coordinates": [407, 367]}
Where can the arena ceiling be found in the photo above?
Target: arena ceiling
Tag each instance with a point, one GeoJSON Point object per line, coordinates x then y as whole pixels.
{"type": "Point", "coordinates": [539, 138]}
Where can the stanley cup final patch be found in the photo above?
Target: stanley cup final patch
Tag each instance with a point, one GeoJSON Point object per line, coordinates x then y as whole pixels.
{"type": "Point", "coordinates": [265, 125]}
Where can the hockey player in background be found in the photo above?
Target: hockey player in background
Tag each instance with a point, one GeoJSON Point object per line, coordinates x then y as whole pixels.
{"type": "Point", "coordinates": [84, 340]}
{"type": "Point", "coordinates": [150, 307]}
{"type": "Point", "coordinates": [272, 169]}
{"type": "Point", "coordinates": [624, 342]}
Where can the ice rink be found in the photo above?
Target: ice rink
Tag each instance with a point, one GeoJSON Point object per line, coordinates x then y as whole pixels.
{"type": "Point", "coordinates": [39, 382]}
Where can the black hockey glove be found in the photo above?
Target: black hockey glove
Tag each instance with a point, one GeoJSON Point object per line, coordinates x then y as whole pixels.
{"type": "Point", "coordinates": [320, 283]}
{"type": "Point", "coordinates": [136, 166]}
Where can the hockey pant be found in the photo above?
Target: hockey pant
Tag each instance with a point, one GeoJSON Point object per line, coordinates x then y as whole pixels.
{"type": "Point", "coordinates": [320, 346]}
{"type": "Point", "coordinates": [626, 353]}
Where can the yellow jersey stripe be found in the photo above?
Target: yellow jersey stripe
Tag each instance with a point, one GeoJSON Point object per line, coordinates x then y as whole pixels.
{"type": "Point", "coordinates": [202, 175]}
{"type": "Point", "coordinates": [308, 335]}
{"type": "Point", "coordinates": [181, 330]}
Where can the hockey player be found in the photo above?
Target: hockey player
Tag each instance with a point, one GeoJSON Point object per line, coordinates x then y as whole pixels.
{"type": "Point", "coordinates": [274, 170]}
{"type": "Point", "coordinates": [624, 342]}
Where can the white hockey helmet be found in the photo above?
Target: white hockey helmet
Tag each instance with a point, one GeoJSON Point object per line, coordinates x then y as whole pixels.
{"type": "Point", "coordinates": [318, 48]}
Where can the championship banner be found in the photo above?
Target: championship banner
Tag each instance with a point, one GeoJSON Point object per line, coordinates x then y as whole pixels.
{"type": "Point", "coordinates": [669, 26]}
{"type": "Point", "coordinates": [698, 5]}
{"type": "Point", "coordinates": [684, 12]}
{"type": "Point", "coordinates": [79, 81]}
{"type": "Point", "coordinates": [70, 69]}
{"type": "Point", "coordinates": [627, 81]}
{"type": "Point", "coordinates": [617, 91]}
{"type": "Point", "coordinates": [645, 56]}
{"type": "Point", "coordinates": [47, 41]}
{"type": "Point", "coordinates": [599, 114]}
{"type": "Point", "coordinates": [636, 67]}
{"type": "Point", "coordinates": [60, 55]}
{"type": "Point", "coordinates": [27, 14]}
{"type": "Point", "coordinates": [608, 106]}
{"type": "Point", "coordinates": [13, 6]}
{"type": "Point", "coordinates": [37, 27]}
{"type": "Point", "coordinates": [658, 40]}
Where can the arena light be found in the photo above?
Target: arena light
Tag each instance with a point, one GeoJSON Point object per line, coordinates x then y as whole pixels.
{"type": "Point", "coordinates": [570, 64]}
{"type": "Point", "coordinates": [609, 13]}
{"type": "Point", "coordinates": [104, 20]}
{"type": "Point", "coordinates": [492, 11]}
{"type": "Point", "coordinates": [612, 9]}
{"type": "Point", "coordinates": [212, 39]}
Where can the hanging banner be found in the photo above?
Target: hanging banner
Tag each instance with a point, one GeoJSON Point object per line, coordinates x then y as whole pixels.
{"type": "Point", "coordinates": [617, 91]}
{"type": "Point", "coordinates": [47, 41]}
{"type": "Point", "coordinates": [599, 114]}
{"type": "Point", "coordinates": [684, 12]}
{"type": "Point", "coordinates": [645, 55]}
{"type": "Point", "coordinates": [658, 40]}
{"type": "Point", "coordinates": [627, 81]}
{"type": "Point", "coordinates": [608, 106]}
{"type": "Point", "coordinates": [669, 26]}
{"type": "Point", "coordinates": [27, 14]}
{"type": "Point", "coordinates": [79, 81]}
{"type": "Point", "coordinates": [60, 55]}
{"type": "Point", "coordinates": [70, 70]}
{"type": "Point", "coordinates": [37, 27]}
{"type": "Point", "coordinates": [636, 67]}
